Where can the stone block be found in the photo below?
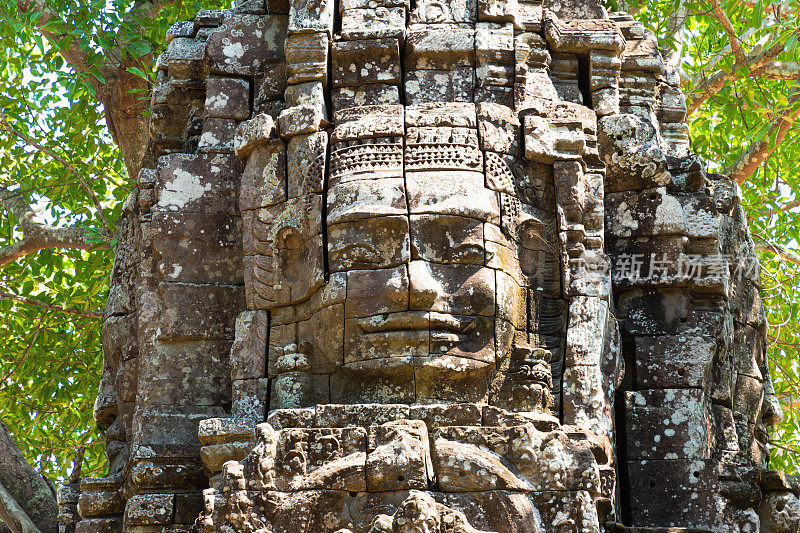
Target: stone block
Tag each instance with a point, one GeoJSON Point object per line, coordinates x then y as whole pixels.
{"type": "Point", "coordinates": [292, 418]}
{"type": "Point", "coordinates": [217, 136]}
{"type": "Point", "coordinates": [306, 158]}
{"type": "Point", "coordinates": [298, 388]}
{"type": "Point", "coordinates": [662, 486]}
{"type": "Point", "coordinates": [321, 458]}
{"type": "Point", "coordinates": [186, 391]}
{"type": "Point", "coordinates": [197, 247]}
{"type": "Point", "coordinates": [311, 16]}
{"type": "Point", "coordinates": [249, 351]}
{"type": "Point", "coordinates": [242, 44]}
{"type": "Point", "coordinates": [273, 278]}
{"type": "Point", "coordinates": [249, 398]}
{"type": "Point", "coordinates": [220, 430]}
{"type": "Point", "coordinates": [117, 337]}
{"type": "Point", "coordinates": [424, 86]}
{"type": "Point", "coordinates": [307, 57]}
{"type": "Point", "coordinates": [494, 53]}
{"type": "Point", "coordinates": [461, 373]}
{"type": "Point", "coordinates": [633, 157]}
{"type": "Point", "coordinates": [175, 360]}
{"type": "Point", "coordinates": [149, 510]}
{"type": "Point", "coordinates": [366, 122]}
{"type": "Point", "coordinates": [668, 424]}
{"type": "Point", "coordinates": [310, 92]}
{"type": "Point", "coordinates": [168, 474]}
{"type": "Point", "coordinates": [365, 95]}
{"type": "Point", "coordinates": [442, 48]}
{"type": "Point", "coordinates": [199, 311]}
{"type": "Point", "coordinates": [496, 95]}
{"type": "Point", "coordinates": [546, 141]}
{"type": "Point", "coordinates": [188, 507]}
{"type": "Point", "coordinates": [398, 456]}
{"type": "Point", "coordinates": [99, 525]}
{"type": "Point", "coordinates": [324, 332]}
{"type": "Point", "coordinates": [457, 12]}
{"type": "Point", "coordinates": [228, 98]}
{"type": "Point", "coordinates": [365, 199]}
{"type": "Point", "coordinates": [370, 20]}
{"type": "Point", "coordinates": [498, 11]}
{"type": "Point", "coordinates": [254, 132]}
{"type": "Point", "coordinates": [586, 331]}
{"type": "Point", "coordinates": [659, 313]}
{"type": "Point", "coordinates": [460, 454]}
{"type": "Point", "coordinates": [178, 425]}
{"type": "Point", "coordinates": [100, 497]}
{"type": "Point", "coordinates": [385, 240]}
{"type": "Point", "coordinates": [586, 398]}
{"type": "Point", "coordinates": [300, 119]}
{"type": "Point", "coordinates": [376, 380]}
{"type": "Point", "coordinates": [358, 62]}
{"type": "Point", "coordinates": [674, 362]}
{"type": "Point", "coordinates": [263, 184]}
{"type": "Point", "coordinates": [499, 129]}
{"type": "Point", "coordinates": [202, 183]}
{"type": "Point", "coordinates": [185, 59]}
{"type": "Point", "coordinates": [270, 86]}
{"type": "Point", "coordinates": [447, 414]}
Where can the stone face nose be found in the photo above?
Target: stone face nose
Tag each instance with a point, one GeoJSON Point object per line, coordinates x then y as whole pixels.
{"type": "Point", "coordinates": [397, 288]}
{"type": "Point", "coordinates": [424, 288]}
{"type": "Point", "coordinates": [105, 404]}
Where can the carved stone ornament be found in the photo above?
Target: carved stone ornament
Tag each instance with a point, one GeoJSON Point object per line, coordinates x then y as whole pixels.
{"type": "Point", "coordinates": [429, 267]}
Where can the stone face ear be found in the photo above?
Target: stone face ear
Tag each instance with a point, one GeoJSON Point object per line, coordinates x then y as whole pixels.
{"type": "Point", "coordinates": [290, 266]}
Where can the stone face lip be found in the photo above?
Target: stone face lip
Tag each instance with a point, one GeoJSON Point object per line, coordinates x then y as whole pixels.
{"type": "Point", "coordinates": [429, 267]}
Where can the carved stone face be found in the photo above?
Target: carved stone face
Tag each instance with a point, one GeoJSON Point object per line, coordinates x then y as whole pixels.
{"type": "Point", "coordinates": [116, 382]}
{"type": "Point", "coordinates": [423, 295]}
{"type": "Point", "coordinates": [429, 256]}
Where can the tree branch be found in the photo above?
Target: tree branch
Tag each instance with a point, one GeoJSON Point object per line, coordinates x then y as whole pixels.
{"type": "Point", "coordinates": [50, 307]}
{"type": "Point", "coordinates": [714, 83]}
{"type": "Point", "coordinates": [719, 56]}
{"type": "Point", "coordinates": [4, 381]}
{"type": "Point", "coordinates": [25, 487]}
{"type": "Point", "coordinates": [784, 208]}
{"type": "Point", "coordinates": [780, 251]}
{"type": "Point", "coordinates": [72, 54]}
{"type": "Point", "coordinates": [780, 70]}
{"type": "Point", "coordinates": [77, 464]}
{"type": "Point", "coordinates": [31, 142]}
{"type": "Point", "coordinates": [738, 53]}
{"type": "Point", "coordinates": [36, 234]}
{"type": "Point", "coordinates": [759, 151]}
{"type": "Point", "coordinates": [123, 110]}
{"type": "Point", "coordinates": [14, 517]}
{"type": "Point", "coordinates": [675, 28]}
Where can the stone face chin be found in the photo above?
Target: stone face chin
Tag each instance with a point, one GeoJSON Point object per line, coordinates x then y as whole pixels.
{"type": "Point", "coordinates": [429, 267]}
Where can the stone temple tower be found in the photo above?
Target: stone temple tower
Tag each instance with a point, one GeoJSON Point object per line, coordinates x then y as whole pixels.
{"type": "Point", "coordinates": [429, 266]}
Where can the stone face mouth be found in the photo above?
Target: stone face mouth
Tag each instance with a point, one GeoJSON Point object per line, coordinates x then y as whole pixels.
{"type": "Point", "coordinates": [395, 323]}
{"type": "Point", "coordinates": [435, 322]}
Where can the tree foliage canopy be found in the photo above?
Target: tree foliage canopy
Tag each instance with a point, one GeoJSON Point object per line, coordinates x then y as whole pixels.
{"type": "Point", "coordinates": [74, 92]}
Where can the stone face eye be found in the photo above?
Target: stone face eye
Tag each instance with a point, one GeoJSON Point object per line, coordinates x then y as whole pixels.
{"type": "Point", "coordinates": [468, 253]}
{"type": "Point", "coordinates": [357, 254]}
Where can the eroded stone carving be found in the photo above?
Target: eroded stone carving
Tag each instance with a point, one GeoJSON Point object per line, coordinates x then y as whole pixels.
{"type": "Point", "coordinates": [455, 274]}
